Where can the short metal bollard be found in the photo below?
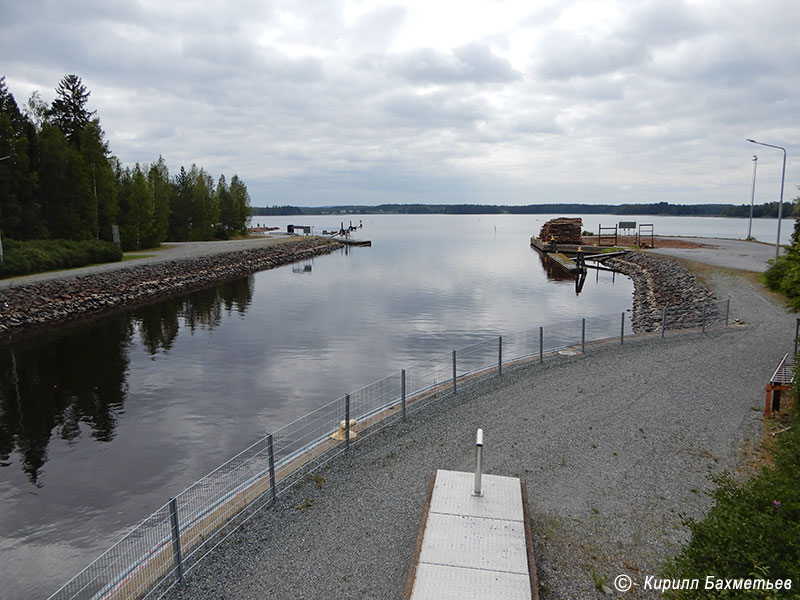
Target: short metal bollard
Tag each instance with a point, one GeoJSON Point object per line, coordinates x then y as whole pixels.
{"type": "Point", "coordinates": [478, 463]}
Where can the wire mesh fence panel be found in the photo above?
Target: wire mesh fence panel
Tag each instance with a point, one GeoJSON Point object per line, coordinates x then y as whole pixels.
{"type": "Point", "coordinates": [477, 357]}
{"type": "Point", "coordinates": [131, 566]}
{"type": "Point", "coordinates": [559, 336]}
{"type": "Point", "coordinates": [520, 345]}
{"type": "Point", "coordinates": [372, 399]}
{"type": "Point", "coordinates": [602, 327]}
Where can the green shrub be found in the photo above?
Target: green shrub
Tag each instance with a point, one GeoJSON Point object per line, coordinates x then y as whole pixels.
{"type": "Point", "coordinates": [753, 530]}
{"type": "Point", "coordinates": [35, 256]}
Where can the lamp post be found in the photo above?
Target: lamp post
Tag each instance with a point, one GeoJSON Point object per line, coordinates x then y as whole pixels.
{"type": "Point", "coordinates": [752, 197]}
{"type": "Point", "coordinates": [780, 206]}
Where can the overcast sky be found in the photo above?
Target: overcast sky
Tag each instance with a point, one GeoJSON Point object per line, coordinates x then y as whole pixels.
{"type": "Point", "coordinates": [317, 102]}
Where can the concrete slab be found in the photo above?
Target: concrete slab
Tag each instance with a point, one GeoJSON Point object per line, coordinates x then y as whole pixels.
{"type": "Point", "coordinates": [476, 543]}
{"type": "Point", "coordinates": [473, 546]}
{"type": "Point", "coordinates": [437, 582]}
{"type": "Point", "coordinates": [452, 494]}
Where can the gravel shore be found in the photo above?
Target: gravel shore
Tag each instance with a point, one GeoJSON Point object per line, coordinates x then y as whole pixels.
{"type": "Point", "coordinates": [614, 446]}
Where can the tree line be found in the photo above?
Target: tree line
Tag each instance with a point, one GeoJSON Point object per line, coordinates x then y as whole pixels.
{"type": "Point", "coordinates": [59, 180]}
{"type": "Point", "coordinates": [769, 209]}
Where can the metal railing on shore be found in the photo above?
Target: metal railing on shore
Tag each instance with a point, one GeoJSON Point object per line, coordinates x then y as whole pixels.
{"type": "Point", "coordinates": [168, 544]}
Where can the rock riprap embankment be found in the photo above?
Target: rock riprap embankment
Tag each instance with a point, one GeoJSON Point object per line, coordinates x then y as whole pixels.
{"type": "Point", "coordinates": [662, 282]}
{"type": "Point", "coordinates": [38, 305]}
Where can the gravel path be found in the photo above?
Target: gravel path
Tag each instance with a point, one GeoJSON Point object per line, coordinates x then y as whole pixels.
{"type": "Point", "coordinates": [170, 251]}
{"type": "Point", "coordinates": [736, 254]}
{"type": "Point", "coordinates": [613, 446]}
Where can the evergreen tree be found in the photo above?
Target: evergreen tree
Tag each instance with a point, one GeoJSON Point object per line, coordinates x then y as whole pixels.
{"type": "Point", "coordinates": [136, 209]}
{"type": "Point", "coordinates": [94, 151]}
{"type": "Point", "coordinates": [68, 207]}
{"type": "Point", "coordinates": [180, 217]}
{"type": "Point", "coordinates": [19, 210]}
{"type": "Point", "coordinates": [241, 204]}
{"type": "Point", "coordinates": [69, 108]}
{"type": "Point", "coordinates": [225, 202]}
{"type": "Point", "coordinates": [162, 190]}
{"type": "Point", "coordinates": [202, 208]}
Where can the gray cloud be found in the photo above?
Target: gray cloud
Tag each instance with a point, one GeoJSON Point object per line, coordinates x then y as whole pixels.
{"type": "Point", "coordinates": [370, 101]}
{"type": "Point", "coordinates": [471, 63]}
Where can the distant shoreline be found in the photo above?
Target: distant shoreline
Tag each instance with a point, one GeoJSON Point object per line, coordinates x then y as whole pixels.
{"type": "Point", "coordinates": [768, 210]}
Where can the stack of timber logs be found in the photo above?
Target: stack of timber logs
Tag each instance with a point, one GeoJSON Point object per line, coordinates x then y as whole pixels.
{"type": "Point", "coordinates": [563, 229]}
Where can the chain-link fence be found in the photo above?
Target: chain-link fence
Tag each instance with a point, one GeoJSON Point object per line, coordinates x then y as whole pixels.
{"type": "Point", "coordinates": [172, 541]}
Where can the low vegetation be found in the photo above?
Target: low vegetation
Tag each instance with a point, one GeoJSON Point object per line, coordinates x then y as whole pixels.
{"type": "Point", "coordinates": [753, 531]}
{"type": "Point", "coordinates": [33, 256]}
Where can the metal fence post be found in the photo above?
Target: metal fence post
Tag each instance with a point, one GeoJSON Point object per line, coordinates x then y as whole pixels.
{"type": "Point", "coordinates": [622, 329]}
{"type": "Point", "coordinates": [541, 344]}
{"type": "Point", "coordinates": [796, 334]}
{"type": "Point", "coordinates": [704, 318]}
{"type": "Point", "coordinates": [176, 539]}
{"type": "Point", "coordinates": [347, 421]}
{"type": "Point", "coordinates": [500, 355]}
{"type": "Point", "coordinates": [403, 391]}
{"type": "Point", "coordinates": [583, 335]}
{"type": "Point", "coordinates": [476, 490]}
{"type": "Point", "coordinates": [454, 372]}
{"type": "Point", "coordinates": [728, 313]}
{"type": "Point", "coordinates": [271, 453]}
{"type": "Point", "coordinates": [663, 321]}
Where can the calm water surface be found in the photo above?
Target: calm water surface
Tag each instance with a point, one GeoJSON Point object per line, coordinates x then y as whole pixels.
{"type": "Point", "coordinates": [100, 424]}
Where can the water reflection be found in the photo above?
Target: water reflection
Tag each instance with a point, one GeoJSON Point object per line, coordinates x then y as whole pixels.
{"type": "Point", "coordinates": [74, 382]}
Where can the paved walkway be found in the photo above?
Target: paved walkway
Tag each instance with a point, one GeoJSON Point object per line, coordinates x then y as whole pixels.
{"type": "Point", "coordinates": [734, 254]}
{"type": "Point", "coordinates": [170, 251]}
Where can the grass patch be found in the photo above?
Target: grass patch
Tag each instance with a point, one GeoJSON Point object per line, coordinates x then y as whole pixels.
{"type": "Point", "coordinates": [36, 256]}
{"type": "Point", "coordinates": [753, 530]}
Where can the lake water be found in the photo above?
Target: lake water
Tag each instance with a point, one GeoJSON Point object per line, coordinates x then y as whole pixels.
{"type": "Point", "coordinates": [101, 423]}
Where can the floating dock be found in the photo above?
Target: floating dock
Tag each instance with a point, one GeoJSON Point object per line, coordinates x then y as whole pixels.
{"type": "Point", "coordinates": [351, 242]}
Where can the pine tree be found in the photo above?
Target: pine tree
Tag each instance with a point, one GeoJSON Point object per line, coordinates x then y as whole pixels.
{"type": "Point", "coordinates": [69, 108]}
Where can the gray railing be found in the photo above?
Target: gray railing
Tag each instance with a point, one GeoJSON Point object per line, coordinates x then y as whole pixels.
{"type": "Point", "coordinates": [168, 544]}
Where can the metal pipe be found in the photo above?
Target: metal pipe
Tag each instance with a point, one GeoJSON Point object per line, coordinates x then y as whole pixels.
{"type": "Point", "coordinates": [780, 206]}
{"type": "Point", "coordinates": [622, 329]}
{"type": "Point", "coordinates": [704, 318]}
{"type": "Point", "coordinates": [663, 321]}
{"type": "Point", "coordinates": [478, 463]}
{"type": "Point", "coordinates": [752, 198]}
{"type": "Point", "coordinates": [728, 314]}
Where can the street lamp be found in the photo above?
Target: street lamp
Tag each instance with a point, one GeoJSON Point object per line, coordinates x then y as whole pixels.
{"type": "Point", "coordinates": [780, 206]}
{"type": "Point", "coordinates": [752, 197]}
